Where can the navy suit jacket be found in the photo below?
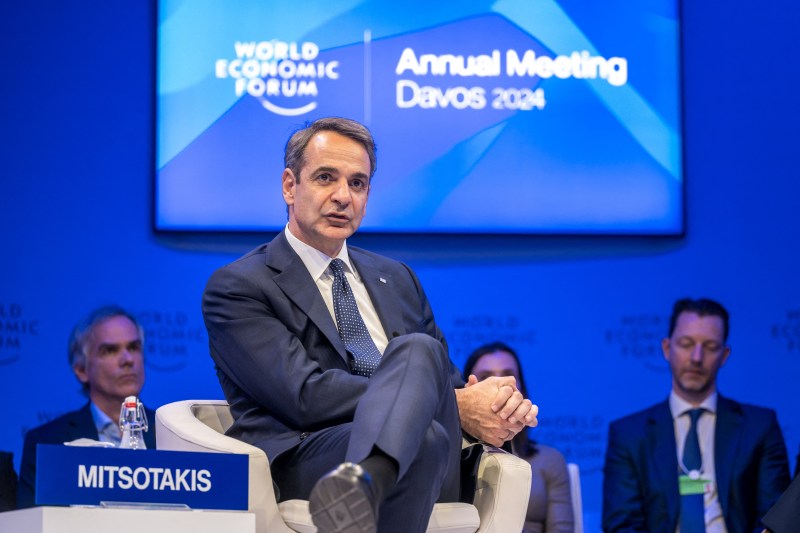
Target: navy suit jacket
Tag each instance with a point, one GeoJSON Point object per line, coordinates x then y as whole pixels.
{"type": "Point", "coordinates": [640, 487]}
{"type": "Point", "coordinates": [280, 361]}
{"type": "Point", "coordinates": [784, 516]}
{"type": "Point", "coordinates": [71, 426]}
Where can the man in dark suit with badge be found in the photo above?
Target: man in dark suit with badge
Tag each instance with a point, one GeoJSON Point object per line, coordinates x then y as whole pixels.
{"type": "Point", "coordinates": [331, 360]}
{"type": "Point", "coordinates": [106, 355]}
{"type": "Point", "coordinates": [698, 462]}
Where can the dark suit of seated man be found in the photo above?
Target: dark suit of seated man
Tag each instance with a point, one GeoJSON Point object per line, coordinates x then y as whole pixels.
{"type": "Point", "coordinates": [332, 362]}
{"type": "Point", "coordinates": [784, 516]}
{"type": "Point", "coordinates": [106, 355]}
{"type": "Point", "coordinates": [740, 467]}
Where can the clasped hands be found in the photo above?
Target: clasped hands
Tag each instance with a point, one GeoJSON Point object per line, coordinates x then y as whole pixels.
{"type": "Point", "coordinates": [494, 410]}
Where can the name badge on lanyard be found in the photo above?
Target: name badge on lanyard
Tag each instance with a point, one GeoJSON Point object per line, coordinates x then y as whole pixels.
{"type": "Point", "coordinates": [693, 483]}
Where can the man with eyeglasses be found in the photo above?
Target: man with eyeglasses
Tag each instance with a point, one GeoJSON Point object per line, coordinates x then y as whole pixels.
{"type": "Point", "coordinates": [698, 462]}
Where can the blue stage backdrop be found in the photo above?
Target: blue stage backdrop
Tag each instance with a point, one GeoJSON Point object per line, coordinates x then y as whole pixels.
{"type": "Point", "coordinates": [586, 314]}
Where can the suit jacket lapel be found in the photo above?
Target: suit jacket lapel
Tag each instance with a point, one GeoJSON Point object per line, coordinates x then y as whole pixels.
{"type": "Point", "coordinates": [295, 281]}
{"type": "Point", "coordinates": [726, 442]}
{"type": "Point", "coordinates": [81, 424]}
{"type": "Point", "coordinates": [381, 289]}
{"type": "Point", "coordinates": [661, 435]}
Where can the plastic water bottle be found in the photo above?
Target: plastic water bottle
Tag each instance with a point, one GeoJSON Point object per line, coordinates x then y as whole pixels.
{"type": "Point", "coordinates": [133, 424]}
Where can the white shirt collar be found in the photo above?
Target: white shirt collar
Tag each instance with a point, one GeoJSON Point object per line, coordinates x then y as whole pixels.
{"type": "Point", "coordinates": [678, 405]}
{"type": "Point", "coordinates": [315, 261]}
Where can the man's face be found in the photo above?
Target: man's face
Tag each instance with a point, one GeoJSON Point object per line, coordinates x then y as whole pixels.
{"type": "Point", "coordinates": [328, 201]}
{"type": "Point", "coordinates": [695, 352]}
{"type": "Point", "coordinates": [113, 363]}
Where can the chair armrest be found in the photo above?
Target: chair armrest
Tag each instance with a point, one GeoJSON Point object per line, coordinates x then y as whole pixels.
{"type": "Point", "coordinates": [179, 428]}
{"type": "Point", "coordinates": [502, 491]}
{"type": "Point", "coordinates": [575, 493]}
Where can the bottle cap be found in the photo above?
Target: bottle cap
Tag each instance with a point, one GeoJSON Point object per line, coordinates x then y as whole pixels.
{"type": "Point", "coordinates": [130, 401]}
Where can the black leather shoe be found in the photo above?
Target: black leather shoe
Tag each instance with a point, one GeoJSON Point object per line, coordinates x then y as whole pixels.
{"type": "Point", "coordinates": [343, 501]}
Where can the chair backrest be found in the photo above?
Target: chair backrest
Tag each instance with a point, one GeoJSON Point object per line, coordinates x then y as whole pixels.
{"type": "Point", "coordinates": [575, 494]}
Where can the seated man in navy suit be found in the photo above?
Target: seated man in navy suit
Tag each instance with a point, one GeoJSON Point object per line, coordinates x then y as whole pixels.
{"type": "Point", "coordinates": [332, 362]}
{"type": "Point", "coordinates": [698, 461]}
{"type": "Point", "coordinates": [106, 355]}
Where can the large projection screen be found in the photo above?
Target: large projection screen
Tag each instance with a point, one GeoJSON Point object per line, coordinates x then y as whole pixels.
{"type": "Point", "coordinates": [508, 117]}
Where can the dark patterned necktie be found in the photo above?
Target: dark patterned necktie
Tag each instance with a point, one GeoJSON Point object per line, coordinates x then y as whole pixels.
{"type": "Point", "coordinates": [693, 518]}
{"type": "Point", "coordinates": [352, 329]}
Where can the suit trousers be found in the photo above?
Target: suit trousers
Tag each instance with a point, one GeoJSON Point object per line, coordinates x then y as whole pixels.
{"type": "Point", "coordinates": [409, 412]}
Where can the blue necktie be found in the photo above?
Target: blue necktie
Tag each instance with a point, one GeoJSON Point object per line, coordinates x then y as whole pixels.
{"type": "Point", "coordinates": [352, 329]}
{"type": "Point", "coordinates": [693, 519]}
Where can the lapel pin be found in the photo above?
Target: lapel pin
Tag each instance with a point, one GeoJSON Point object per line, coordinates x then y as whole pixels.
{"type": "Point", "coordinates": [383, 280]}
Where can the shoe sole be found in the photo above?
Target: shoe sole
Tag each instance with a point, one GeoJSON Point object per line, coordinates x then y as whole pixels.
{"type": "Point", "coordinates": [338, 504]}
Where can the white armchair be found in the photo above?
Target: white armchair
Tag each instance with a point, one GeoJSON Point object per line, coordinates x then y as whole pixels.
{"type": "Point", "coordinates": [501, 492]}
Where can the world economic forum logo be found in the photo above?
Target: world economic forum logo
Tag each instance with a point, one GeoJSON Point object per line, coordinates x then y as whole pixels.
{"type": "Point", "coordinates": [15, 329]}
{"type": "Point", "coordinates": [281, 75]}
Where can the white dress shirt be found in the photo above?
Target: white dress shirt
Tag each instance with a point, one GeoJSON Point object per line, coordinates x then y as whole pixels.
{"type": "Point", "coordinates": [715, 523]}
{"type": "Point", "coordinates": [317, 264]}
